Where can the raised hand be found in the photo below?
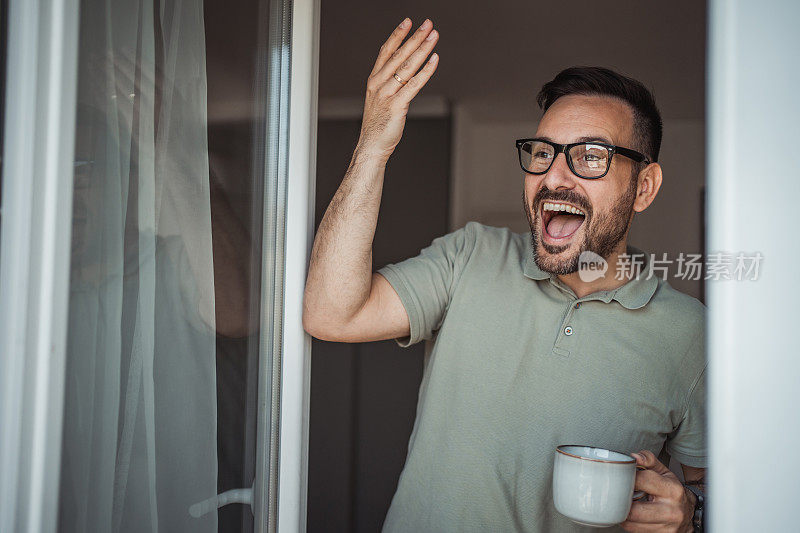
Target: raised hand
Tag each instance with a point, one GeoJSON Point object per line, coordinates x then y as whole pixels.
{"type": "Point", "coordinates": [393, 83]}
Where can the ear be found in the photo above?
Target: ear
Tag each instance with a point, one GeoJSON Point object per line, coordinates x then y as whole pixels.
{"type": "Point", "coordinates": [649, 184]}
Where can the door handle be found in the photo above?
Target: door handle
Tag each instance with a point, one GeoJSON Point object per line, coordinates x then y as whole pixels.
{"type": "Point", "coordinates": [215, 502]}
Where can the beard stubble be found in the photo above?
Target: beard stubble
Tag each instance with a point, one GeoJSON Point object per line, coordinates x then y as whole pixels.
{"type": "Point", "coordinates": [602, 233]}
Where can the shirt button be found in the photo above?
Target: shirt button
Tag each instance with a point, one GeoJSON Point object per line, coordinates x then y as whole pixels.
{"type": "Point", "coordinates": [578, 305]}
{"type": "Point", "coordinates": [568, 330]}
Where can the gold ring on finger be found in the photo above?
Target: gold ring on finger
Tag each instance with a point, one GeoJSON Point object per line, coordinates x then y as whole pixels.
{"type": "Point", "coordinates": [398, 78]}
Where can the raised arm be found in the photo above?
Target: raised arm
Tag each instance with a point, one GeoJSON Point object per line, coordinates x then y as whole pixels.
{"type": "Point", "coordinates": [344, 300]}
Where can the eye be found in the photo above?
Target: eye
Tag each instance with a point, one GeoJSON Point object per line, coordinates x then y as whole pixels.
{"type": "Point", "coordinates": [591, 154]}
{"type": "Point", "coordinates": [542, 154]}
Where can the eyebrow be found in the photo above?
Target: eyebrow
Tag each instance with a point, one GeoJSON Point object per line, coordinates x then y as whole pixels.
{"type": "Point", "coordinates": [585, 139]}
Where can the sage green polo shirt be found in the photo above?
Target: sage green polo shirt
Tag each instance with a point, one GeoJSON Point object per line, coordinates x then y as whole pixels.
{"type": "Point", "coordinates": [519, 366]}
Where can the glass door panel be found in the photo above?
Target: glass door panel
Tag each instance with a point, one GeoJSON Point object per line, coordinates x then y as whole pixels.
{"type": "Point", "coordinates": [176, 221]}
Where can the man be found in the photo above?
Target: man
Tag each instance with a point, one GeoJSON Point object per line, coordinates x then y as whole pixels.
{"type": "Point", "coordinates": [529, 353]}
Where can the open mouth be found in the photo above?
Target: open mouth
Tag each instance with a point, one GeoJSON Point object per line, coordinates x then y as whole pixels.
{"type": "Point", "coordinates": [561, 220]}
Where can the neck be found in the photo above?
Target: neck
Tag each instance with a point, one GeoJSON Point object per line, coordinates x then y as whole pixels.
{"type": "Point", "coordinates": [607, 282]}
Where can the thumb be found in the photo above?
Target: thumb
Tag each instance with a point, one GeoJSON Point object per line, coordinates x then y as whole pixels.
{"type": "Point", "coordinates": [648, 459]}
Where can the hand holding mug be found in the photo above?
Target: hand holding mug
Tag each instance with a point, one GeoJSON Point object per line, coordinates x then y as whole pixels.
{"type": "Point", "coordinates": [669, 506]}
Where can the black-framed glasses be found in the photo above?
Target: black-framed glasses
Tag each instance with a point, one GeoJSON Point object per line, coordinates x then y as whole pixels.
{"type": "Point", "coordinates": [588, 160]}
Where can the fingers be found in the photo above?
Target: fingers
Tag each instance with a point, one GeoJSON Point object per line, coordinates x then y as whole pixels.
{"type": "Point", "coordinates": [657, 480]}
{"type": "Point", "coordinates": [404, 62]}
{"type": "Point", "coordinates": [639, 527]}
{"type": "Point", "coordinates": [410, 66]}
{"type": "Point", "coordinates": [404, 52]}
{"type": "Point", "coordinates": [659, 485]}
{"type": "Point", "coordinates": [391, 44]}
{"type": "Point", "coordinates": [654, 513]}
{"type": "Point", "coordinates": [648, 459]}
{"type": "Point", "coordinates": [666, 507]}
{"type": "Point", "coordinates": [416, 83]}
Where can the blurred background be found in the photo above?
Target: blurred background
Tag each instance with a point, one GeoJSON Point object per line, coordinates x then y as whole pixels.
{"type": "Point", "coordinates": [457, 162]}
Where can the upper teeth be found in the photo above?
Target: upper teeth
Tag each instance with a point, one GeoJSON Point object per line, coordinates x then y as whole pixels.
{"type": "Point", "coordinates": [550, 206]}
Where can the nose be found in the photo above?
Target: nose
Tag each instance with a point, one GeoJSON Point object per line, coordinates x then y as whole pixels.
{"type": "Point", "coordinates": [559, 176]}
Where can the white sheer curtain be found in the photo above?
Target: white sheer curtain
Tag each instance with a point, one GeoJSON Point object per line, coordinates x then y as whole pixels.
{"type": "Point", "coordinates": [140, 406]}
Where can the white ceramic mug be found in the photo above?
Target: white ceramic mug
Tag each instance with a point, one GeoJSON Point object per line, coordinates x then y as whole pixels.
{"type": "Point", "coordinates": [594, 486]}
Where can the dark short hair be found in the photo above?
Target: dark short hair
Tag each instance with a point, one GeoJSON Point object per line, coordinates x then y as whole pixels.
{"type": "Point", "coordinates": [599, 81]}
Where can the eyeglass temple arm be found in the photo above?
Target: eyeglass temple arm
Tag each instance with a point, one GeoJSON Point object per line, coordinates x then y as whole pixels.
{"type": "Point", "coordinates": [632, 154]}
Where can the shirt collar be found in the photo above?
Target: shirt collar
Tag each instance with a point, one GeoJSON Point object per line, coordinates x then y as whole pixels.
{"type": "Point", "coordinates": [635, 294]}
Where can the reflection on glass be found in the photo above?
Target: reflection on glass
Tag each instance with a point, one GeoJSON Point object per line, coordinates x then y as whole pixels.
{"type": "Point", "coordinates": [163, 297]}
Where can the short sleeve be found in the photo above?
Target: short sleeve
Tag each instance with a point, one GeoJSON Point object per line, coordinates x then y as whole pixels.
{"type": "Point", "coordinates": [425, 283]}
{"type": "Point", "coordinates": [687, 444]}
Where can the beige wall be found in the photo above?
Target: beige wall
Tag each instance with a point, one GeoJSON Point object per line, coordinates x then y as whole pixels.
{"type": "Point", "coordinates": [486, 181]}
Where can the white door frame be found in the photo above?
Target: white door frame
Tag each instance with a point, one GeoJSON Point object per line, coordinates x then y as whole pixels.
{"type": "Point", "coordinates": [34, 260]}
{"type": "Point", "coordinates": [753, 188]}
{"type": "Point", "coordinates": [296, 371]}
{"type": "Point", "coordinates": [280, 487]}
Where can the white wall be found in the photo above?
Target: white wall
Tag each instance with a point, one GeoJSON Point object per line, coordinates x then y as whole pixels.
{"type": "Point", "coordinates": [487, 180]}
{"type": "Point", "coordinates": [754, 186]}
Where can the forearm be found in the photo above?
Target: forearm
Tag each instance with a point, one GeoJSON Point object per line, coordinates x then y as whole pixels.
{"type": "Point", "coordinates": [340, 270]}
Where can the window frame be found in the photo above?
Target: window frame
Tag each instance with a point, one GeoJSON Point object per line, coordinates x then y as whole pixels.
{"type": "Point", "coordinates": [40, 107]}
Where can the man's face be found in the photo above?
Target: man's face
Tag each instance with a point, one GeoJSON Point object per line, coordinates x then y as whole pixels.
{"type": "Point", "coordinates": [558, 236]}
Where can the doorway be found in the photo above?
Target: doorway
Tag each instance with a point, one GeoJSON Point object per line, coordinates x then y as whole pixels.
{"type": "Point", "coordinates": [363, 396]}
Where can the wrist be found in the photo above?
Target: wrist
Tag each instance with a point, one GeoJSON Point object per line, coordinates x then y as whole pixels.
{"type": "Point", "coordinates": [690, 500]}
{"type": "Point", "coordinates": [366, 156]}
{"type": "Point", "coordinates": [696, 508]}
